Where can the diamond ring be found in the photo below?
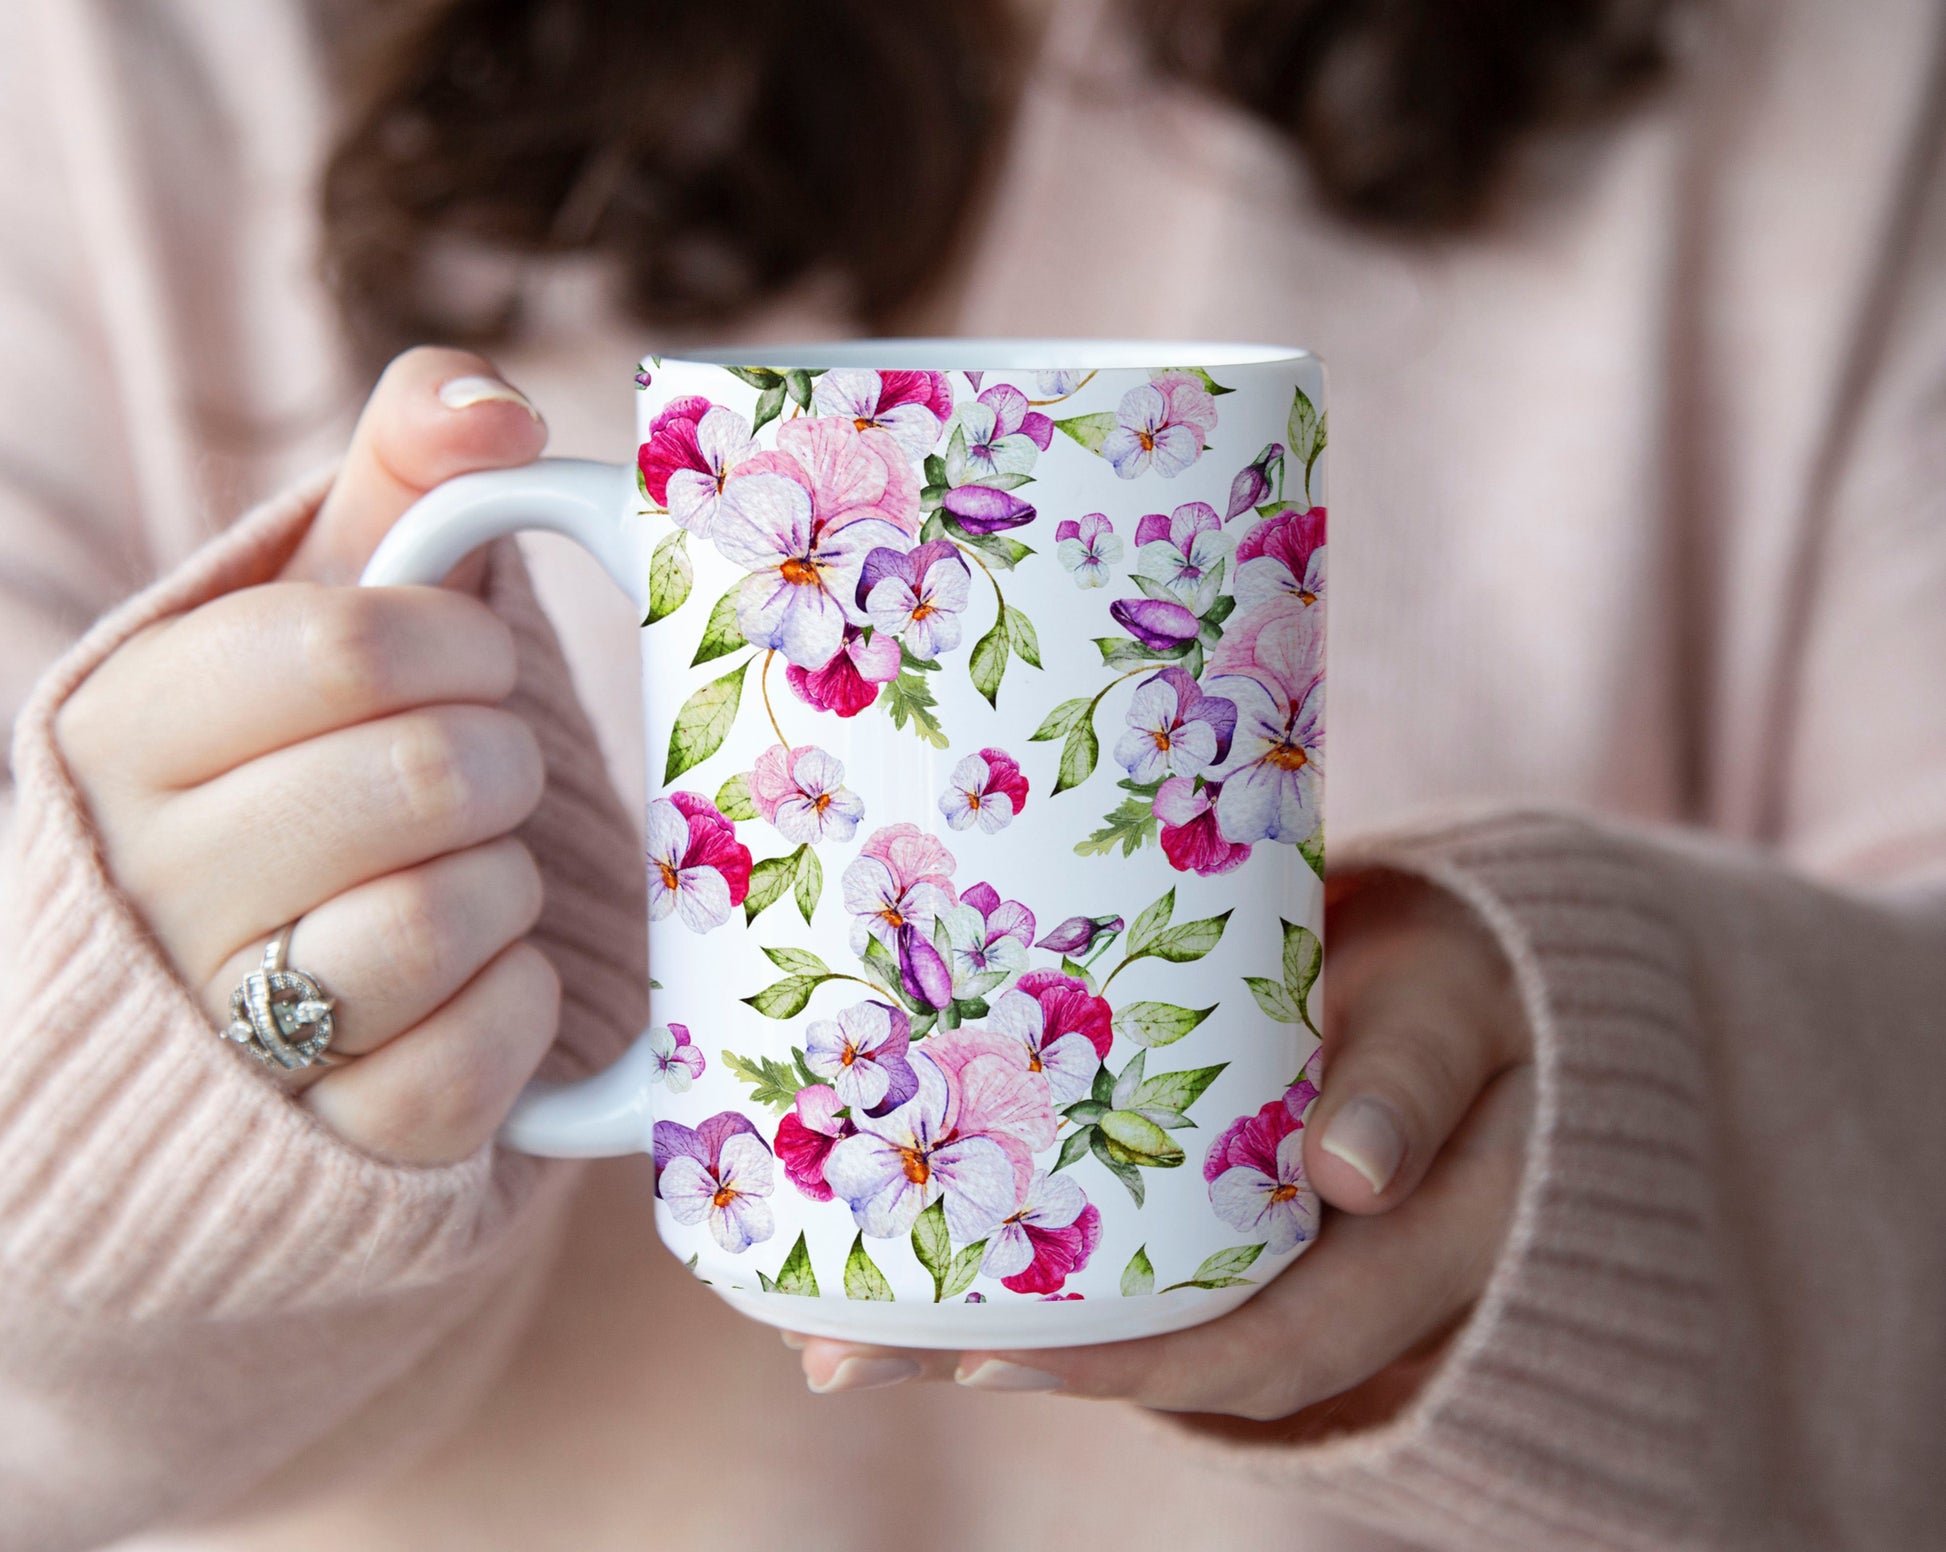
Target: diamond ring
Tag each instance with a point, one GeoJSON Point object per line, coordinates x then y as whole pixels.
{"type": "Point", "coordinates": [282, 1016]}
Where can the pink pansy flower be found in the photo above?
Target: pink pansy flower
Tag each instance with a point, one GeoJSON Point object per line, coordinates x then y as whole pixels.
{"type": "Point", "coordinates": [672, 445]}
{"type": "Point", "coordinates": [1065, 1029]}
{"type": "Point", "coordinates": [1086, 548]}
{"type": "Point", "coordinates": [698, 870]}
{"type": "Point", "coordinates": [686, 463]}
{"type": "Point", "coordinates": [1044, 1240]}
{"type": "Point", "coordinates": [897, 1165]}
{"type": "Point", "coordinates": [986, 789]}
{"type": "Point", "coordinates": [1161, 425]}
{"type": "Point", "coordinates": [1271, 664]}
{"type": "Point", "coordinates": [1261, 1189]}
{"type": "Point", "coordinates": [908, 406]}
{"type": "Point", "coordinates": [806, 1136]}
{"type": "Point", "coordinates": [1281, 560]}
{"type": "Point", "coordinates": [1184, 553]}
{"type": "Point", "coordinates": [996, 1093]}
{"type": "Point", "coordinates": [1174, 729]}
{"type": "Point", "coordinates": [862, 1055]}
{"type": "Point", "coordinates": [901, 877]}
{"type": "Point", "coordinates": [988, 940]}
{"type": "Point", "coordinates": [1191, 838]}
{"type": "Point", "coordinates": [720, 1173]}
{"type": "Point", "coordinates": [915, 596]}
{"type": "Point", "coordinates": [849, 682]}
{"type": "Point", "coordinates": [802, 792]}
{"type": "Point", "coordinates": [678, 1062]}
{"type": "Point", "coordinates": [995, 436]}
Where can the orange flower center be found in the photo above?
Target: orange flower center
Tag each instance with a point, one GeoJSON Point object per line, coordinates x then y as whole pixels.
{"type": "Point", "coordinates": [1147, 439]}
{"type": "Point", "coordinates": [1034, 1062]}
{"type": "Point", "coordinates": [1306, 599]}
{"type": "Point", "coordinates": [821, 802]}
{"type": "Point", "coordinates": [723, 1197]}
{"type": "Point", "coordinates": [1283, 1193]}
{"type": "Point", "coordinates": [668, 876]}
{"type": "Point", "coordinates": [799, 573]}
{"type": "Point", "coordinates": [891, 918]}
{"type": "Point", "coordinates": [1288, 757]}
{"type": "Point", "coordinates": [917, 1170]}
{"type": "Point", "coordinates": [1161, 737]}
{"type": "Point", "coordinates": [863, 422]}
{"type": "Point", "coordinates": [847, 1057]}
{"type": "Point", "coordinates": [973, 801]}
{"type": "Point", "coordinates": [921, 609]}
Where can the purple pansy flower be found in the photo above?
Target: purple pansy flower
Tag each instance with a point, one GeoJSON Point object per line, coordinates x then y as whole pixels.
{"type": "Point", "coordinates": [720, 1172]}
{"type": "Point", "coordinates": [1174, 729]}
{"type": "Point", "coordinates": [996, 436]}
{"type": "Point", "coordinates": [1184, 553]}
{"type": "Point", "coordinates": [987, 940]}
{"type": "Point", "coordinates": [677, 1060]}
{"type": "Point", "coordinates": [916, 596]}
{"type": "Point", "coordinates": [862, 1055]}
{"type": "Point", "coordinates": [1086, 548]}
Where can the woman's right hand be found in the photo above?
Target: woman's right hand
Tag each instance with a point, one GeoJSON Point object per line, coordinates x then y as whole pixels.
{"type": "Point", "coordinates": [312, 751]}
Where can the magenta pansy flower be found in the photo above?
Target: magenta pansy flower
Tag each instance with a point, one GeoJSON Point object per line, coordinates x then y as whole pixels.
{"type": "Point", "coordinates": [1282, 560]}
{"type": "Point", "coordinates": [1191, 838]}
{"type": "Point", "coordinates": [672, 445]}
{"type": "Point", "coordinates": [916, 596]}
{"type": "Point", "coordinates": [1065, 1029]}
{"type": "Point", "coordinates": [909, 407]}
{"type": "Point", "coordinates": [901, 877]}
{"type": "Point", "coordinates": [1184, 553]}
{"type": "Point", "coordinates": [720, 1173]}
{"type": "Point", "coordinates": [1047, 1238]}
{"type": "Point", "coordinates": [988, 939]}
{"type": "Point", "coordinates": [1174, 728]}
{"type": "Point", "coordinates": [1161, 425]}
{"type": "Point", "coordinates": [862, 1055]}
{"type": "Point", "coordinates": [693, 451]}
{"type": "Point", "coordinates": [806, 1136]}
{"type": "Point", "coordinates": [1257, 1181]}
{"type": "Point", "coordinates": [678, 1062]}
{"type": "Point", "coordinates": [1086, 548]}
{"type": "Point", "coordinates": [802, 792]}
{"type": "Point", "coordinates": [986, 789]}
{"type": "Point", "coordinates": [897, 1165]}
{"type": "Point", "coordinates": [849, 682]}
{"type": "Point", "coordinates": [698, 870]}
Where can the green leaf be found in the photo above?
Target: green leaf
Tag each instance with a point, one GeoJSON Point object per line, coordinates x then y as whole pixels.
{"type": "Point", "coordinates": [1312, 851]}
{"type": "Point", "coordinates": [1132, 1139]}
{"type": "Point", "coordinates": [935, 469]}
{"type": "Point", "coordinates": [988, 664]}
{"type": "Point", "coordinates": [797, 382]}
{"type": "Point", "coordinates": [786, 998]}
{"type": "Point", "coordinates": [924, 665]}
{"type": "Point", "coordinates": [965, 1267]}
{"type": "Point", "coordinates": [1021, 634]}
{"type": "Point", "coordinates": [863, 1280]}
{"type": "Point", "coordinates": [733, 798]}
{"type": "Point", "coordinates": [907, 698]}
{"type": "Point", "coordinates": [1138, 1277]}
{"type": "Point", "coordinates": [1233, 1262]}
{"type": "Point", "coordinates": [722, 635]}
{"type": "Point", "coordinates": [770, 404]}
{"type": "Point", "coordinates": [671, 575]}
{"type": "Point", "coordinates": [1158, 1023]}
{"type": "Point", "coordinates": [1175, 1090]}
{"type": "Point", "coordinates": [1190, 941]}
{"type": "Point", "coordinates": [1080, 972]}
{"type": "Point", "coordinates": [956, 469]}
{"type": "Point", "coordinates": [1086, 1111]}
{"type": "Point", "coordinates": [1305, 434]}
{"type": "Point", "coordinates": [756, 376]}
{"type": "Point", "coordinates": [1199, 374]}
{"type": "Point", "coordinates": [1061, 720]}
{"type": "Point", "coordinates": [770, 881]}
{"type": "Point", "coordinates": [933, 1246]}
{"type": "Point", "coordinates": [1089, 430]}
{"type": "Point", "coordinates": [1303, 959]}
{"type": "Point", "coordinates": [1073, 1148]}
{"type": "Point", "coordinates": [1128, 1174]}
{"type": "Point", "coordinates": [810, 882]}
{"type": "Point", "coordinates": [797, 961]}
{"type": "Point", "coordinates": [1004, 552]}
{"type": "Point", "coordinates": [1221, 610]}
{"type": "Point", "coordinates": [1131, 825]}
{"type": "Point", "coordinates": [1274, 999]}
{"type": "Point", "coordinates": [1149, 923]}
{"type": "Point", "coordinates": [703, 723]}
{"type": "Point", "coordinates": [1122, 652]}
{"type": "Point", "coordinates": [772, 1083]}
{"type": "Point", "coordinates": [795, 1275]}
{"type": "Point", "coordinates": [1078, 756]}
{"type": "Point", "coordinates": [1126, 1082]}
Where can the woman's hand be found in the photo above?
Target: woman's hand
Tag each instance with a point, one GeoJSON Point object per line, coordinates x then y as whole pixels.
{"type": "Point", "coordinates": [1417, 1141]}
{"type": "Point", "coordinates": [311, 751]}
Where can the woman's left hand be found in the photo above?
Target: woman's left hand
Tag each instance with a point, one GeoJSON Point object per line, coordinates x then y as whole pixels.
{"type": "Point", "coordinates": [1417, 1142]}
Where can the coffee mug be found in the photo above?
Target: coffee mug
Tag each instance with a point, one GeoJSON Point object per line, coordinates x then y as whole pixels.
{"type": "Point", "coordinates": [984, 685]}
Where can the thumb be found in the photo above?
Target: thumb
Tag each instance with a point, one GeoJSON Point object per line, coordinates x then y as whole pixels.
{"type": "Point", "coordinates": [435, 413]}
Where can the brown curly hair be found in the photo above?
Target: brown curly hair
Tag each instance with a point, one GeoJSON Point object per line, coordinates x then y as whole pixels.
{"type": "Point", "coordinates": [720, 151]}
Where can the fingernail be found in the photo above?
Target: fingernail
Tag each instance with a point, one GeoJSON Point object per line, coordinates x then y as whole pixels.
{"type": "Point", "coordinates": [866, 1374]}
{"type": "Point", "coordinates": [462, 393]}
{"type": "Point", "coordinates": [995, 1374]}
{"type": "Point", "coordinates": [791, 1340]}
{"type": "Point", "coordinates": [1366, 1134]}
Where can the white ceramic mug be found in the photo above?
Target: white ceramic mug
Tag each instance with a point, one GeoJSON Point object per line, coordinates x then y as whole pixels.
{"type": "Point", "coordinates": [984, 694]}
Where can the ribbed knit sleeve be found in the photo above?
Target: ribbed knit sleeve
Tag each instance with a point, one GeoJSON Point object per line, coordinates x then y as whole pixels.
{"type": "Point", "coordinates": [197, 1280]}
{"type": "Point", "coordinates": [1727, 1222]}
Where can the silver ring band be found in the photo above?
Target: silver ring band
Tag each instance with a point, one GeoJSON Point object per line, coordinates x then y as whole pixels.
{"type": "Point", "coordinates": [282, 1016]}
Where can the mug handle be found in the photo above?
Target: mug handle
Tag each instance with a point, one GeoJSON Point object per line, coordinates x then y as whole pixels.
{"type": "Point", "coordinates": [608, 1113]}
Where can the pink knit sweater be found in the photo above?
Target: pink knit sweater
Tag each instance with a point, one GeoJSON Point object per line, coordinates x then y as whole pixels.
{"type": "Point", "coordinates": [1638, 536]}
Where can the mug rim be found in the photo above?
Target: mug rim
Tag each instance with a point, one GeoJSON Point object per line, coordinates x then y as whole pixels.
{"type": "Point", "coordinates": [979, 354]}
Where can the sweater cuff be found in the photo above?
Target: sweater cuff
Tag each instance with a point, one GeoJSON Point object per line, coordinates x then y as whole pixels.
{"type": "Point", "coordinates": [146, 1171]}
{"type": "Point", "coordinates": [1570, 1409]}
